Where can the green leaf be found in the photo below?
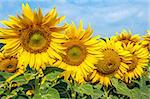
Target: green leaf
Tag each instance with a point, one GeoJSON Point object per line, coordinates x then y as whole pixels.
{"type": "Point", "coordinates": [3, 97]}
{"type": "Point", "coordinates": [113, 97]}
{"type": "Point", "coordinates": [6, 75]}
{"type": "Point", "coordinates": [44, 85]}
{"type": "Point", "coordinates": [53, 75]}
{"type": "Point", "coordinates": [20, 79]}
{"type": "Point", "coordinates": [29, 76]}
{"type": "Point", "coordinates": [37, 96]}
{"type": "Point", "coordinates": [139, 94]}
{"type": "Point", "coordinates": [1, 91]}
{"type": "Point", "coordinates": [84, 89]}
{"type": "Point", "coordinates": [51, 93]}
{"type": "Point", "coordinates": [17, 90]}
{"type": "Point", "coordinates": [97, 91]}
{"type": "Point", "coordinates": [136, 93]}
{"type": "Point", "coordinates": [52, 69]}
{"type": "Point", "coordinates": [121, 88]}
{"type": "Point", "coordinates": [24, 78]}
{"type": "Point", "coordinates": [21, 97]}
{"type": "Point", "coordinates": [143, 91]}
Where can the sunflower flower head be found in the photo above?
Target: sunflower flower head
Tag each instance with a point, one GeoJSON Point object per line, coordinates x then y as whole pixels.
{"type": "Point", "coordinates": [127, 37]}
{"type": "Point", "coordinates": [8, 64]}
{"type": "Point", "coordinates": [81, 52]}
{"type": "Point", "coordinates": [138, 63]}
{"type": "Point", "coordinates": [146, 41]}
{"type": "Point", "coordinates": [32, 37]}
{"type": "Point", "coordinates": [35, 38]}
{"type": "Point", "coordinates": [113, 63]}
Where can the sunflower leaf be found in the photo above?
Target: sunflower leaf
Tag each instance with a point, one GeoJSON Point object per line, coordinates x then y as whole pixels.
{"type": "Point", "coordinates": [49, 93]}
{"type": "Point", "coordinates": [143, 91]}
{"type": "Point", "coordinates": [121, 88]}
{"type": "Point", "coordinates": [6, 75]}
{"type": "Point", "coordinates": [139, 94]}
{"type": "Point", "coordinates": [84, 89]}
{"type": "Point", "coordinates": [97, 93]}
{"type": "Point", "coordinates": [113, 97]}
{"type": "Point", "coordinates": [1, 91]}
{"type": "Point", "coordinates": [20, 79]}
{"type": "Point", "coordinates": [53, 75]}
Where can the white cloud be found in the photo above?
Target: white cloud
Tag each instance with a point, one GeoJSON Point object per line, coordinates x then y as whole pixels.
{"type": "Point", "coordinates": [120, 14]}
{"type": "Point", "coordinates": [99, 13]}
{"type": "Point", "coordinates": [109, 14]}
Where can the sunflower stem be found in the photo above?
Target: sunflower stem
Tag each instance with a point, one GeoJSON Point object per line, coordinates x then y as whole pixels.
{"type": "Point", "coordinates": [105, 92]}
{"type": "Point", "coordinates": [37, 86]}
{"type": "Point", "coordinates": [73, 95]}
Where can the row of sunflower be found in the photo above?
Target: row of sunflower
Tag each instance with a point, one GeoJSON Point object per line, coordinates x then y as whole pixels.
{"type": "Point", "coordinates": [33, 39]}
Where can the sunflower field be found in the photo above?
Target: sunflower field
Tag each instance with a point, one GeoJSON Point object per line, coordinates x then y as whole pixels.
{"type": "Point", "coordinates": [40, 59]}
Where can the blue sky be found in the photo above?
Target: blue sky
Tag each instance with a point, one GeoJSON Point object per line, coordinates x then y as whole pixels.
{"type": "Point", "coordinates": [105, 16]}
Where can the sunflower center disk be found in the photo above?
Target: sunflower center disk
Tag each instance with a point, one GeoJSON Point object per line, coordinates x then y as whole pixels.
{"type": "Point", "coordinates": [37, 41]}
{"type": "Point", "coordinates": [110, 63]}
{"type": "Point", "coordinates": [74, 52]}
{"type": "Point", "coordinates": [75, 55]}
{"type": "Point", "coordinates": [133, 63]}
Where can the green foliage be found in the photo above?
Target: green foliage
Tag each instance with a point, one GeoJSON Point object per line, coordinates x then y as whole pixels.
{"type": "Point", "coordinates": [49, 93]}
{"type": "Point", "coordinates": [84, 89]}
{"type": "Point", "coordinates": [140, 92]}
{"type": "Point", "coordinates": [30, 86]}
{"type": "Point", "coordinates": [121, 88]}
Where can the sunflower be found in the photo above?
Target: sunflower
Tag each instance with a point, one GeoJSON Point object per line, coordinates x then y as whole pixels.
{"type": "Point", "coordinates": [34, 38]}
{"type": "Point", "coordinates": [138, 63]}
{"type": "Point", "coordinates": [81, 52]}
{"type": "Point", "coordinates": [8, 64]}
{"type": "Point", "coordinates": [127, 37]}
{"type": "Point", "coordinates": [146, 41]}
{"type": "Point", "coordinates": [113, 63]}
